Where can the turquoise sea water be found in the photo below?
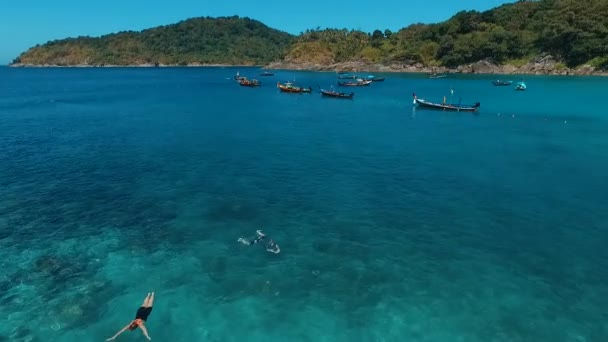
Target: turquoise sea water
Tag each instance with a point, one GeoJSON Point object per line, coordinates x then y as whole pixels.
{"type": "Point", "coordinates": [395, 224]}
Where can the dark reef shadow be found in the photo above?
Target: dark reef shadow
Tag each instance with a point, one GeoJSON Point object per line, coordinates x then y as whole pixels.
{"type": "Point", "coordinates": [231, 210]}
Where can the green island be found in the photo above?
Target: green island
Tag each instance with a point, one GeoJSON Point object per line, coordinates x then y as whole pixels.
{"type": "Point", "coordinates": [528, 37]}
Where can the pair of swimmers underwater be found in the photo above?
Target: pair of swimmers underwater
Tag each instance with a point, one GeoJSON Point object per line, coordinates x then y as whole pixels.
{"type": "Point", "coordinates": [271, 246]}
{"type": "Point", "coordinates": [146, 308]}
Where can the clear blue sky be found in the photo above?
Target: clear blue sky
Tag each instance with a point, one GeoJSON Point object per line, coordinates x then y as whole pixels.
{"type": "Point", "coordinates": [26, 23]}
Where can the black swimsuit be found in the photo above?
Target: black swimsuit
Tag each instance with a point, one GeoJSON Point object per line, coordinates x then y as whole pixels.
{"type": "Point", "coordinates": [143, 313]}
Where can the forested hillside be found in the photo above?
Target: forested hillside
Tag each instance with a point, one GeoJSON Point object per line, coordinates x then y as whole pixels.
{"type": "Point", "coordinates": [230, 40]}
{"type": "Point", "coordinates": [574, 32]}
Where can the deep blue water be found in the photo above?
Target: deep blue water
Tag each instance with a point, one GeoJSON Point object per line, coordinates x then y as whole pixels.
{"type": "Point", "coordinates": [395, 224]}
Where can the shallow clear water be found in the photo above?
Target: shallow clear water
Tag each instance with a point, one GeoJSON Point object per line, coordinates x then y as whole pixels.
{"type": "Point", "coordinates": [395, 224]}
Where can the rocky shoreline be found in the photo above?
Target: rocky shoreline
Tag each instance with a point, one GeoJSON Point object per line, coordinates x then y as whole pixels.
{"type": "Point", "coordinates": [545, 65]}
{"type": "Point", "coordinates": [143, 65]}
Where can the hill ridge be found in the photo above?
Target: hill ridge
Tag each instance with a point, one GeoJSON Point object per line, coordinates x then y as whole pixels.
{"type": "Point", "coordinates": [546, 36]}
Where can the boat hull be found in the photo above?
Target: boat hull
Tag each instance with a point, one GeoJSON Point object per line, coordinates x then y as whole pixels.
{"type": "Point", "coordinates": [447, 107]}
{"type": "Point", "coordinates": [336, 94]}
{"type": "Point", "coordinates": [249, 83]}
{"type": "Point", "coordinates": [293, 89]}
{"type": "Point", "coordinates": [354, 84]}
{"type": "Point", "coordinates": [285, 89]}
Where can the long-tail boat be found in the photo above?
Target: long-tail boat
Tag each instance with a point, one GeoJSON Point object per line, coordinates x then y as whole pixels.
{"type": "Point", "coordinates": [238, 77]}
{"type": "Point", "coordinates": [288, 87]}
{"type": "Point", "coordinates": [500, 83]}
{"type": "Point", "coordinates": [249, 83]}
{"type": "Point", "coordinates": [357, 83]}
{"type": "Point", "coordinates": [347, 77]}
{"type": "Point", "coordinates": [333, 93]}
{"type": "Point", "coordinates": [446, 106]}
{"type": "Point", "coordinates": [376, 79]}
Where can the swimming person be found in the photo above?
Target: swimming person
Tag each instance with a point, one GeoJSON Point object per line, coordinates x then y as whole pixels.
{"type": "Point", "coordinates": [252, 241]}
{"type": "Point", "coordinates": [140, 318]}
{"type": "Point", "coordinates": [271, 246]}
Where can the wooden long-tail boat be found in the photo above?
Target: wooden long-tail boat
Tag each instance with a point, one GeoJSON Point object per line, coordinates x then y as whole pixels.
{"type": "Point", "coordinates": [290, 88]}
{"type": "Point", "coordinates": [238, 77]}
{"type": "Point", "coordinates": [347, 77]}
{"type": "Point", "coordinates": [446, 106]}
{"type": "Point", "coordinates": [333, 93]}
{"type": "Point", "coordinates": [376, 79]}
{"type": "Point", "coordinates": [249, 83]}
{"type": "Point", "coordinates": [358, 83]}
{"type": "Point", "coordinates": [499, 83]}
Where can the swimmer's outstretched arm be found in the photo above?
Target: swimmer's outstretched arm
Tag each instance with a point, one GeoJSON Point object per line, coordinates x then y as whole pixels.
{"type": "Point", "coordinates": [243, 241]}
{"type": "Point", "coordinates": [118, 333]}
